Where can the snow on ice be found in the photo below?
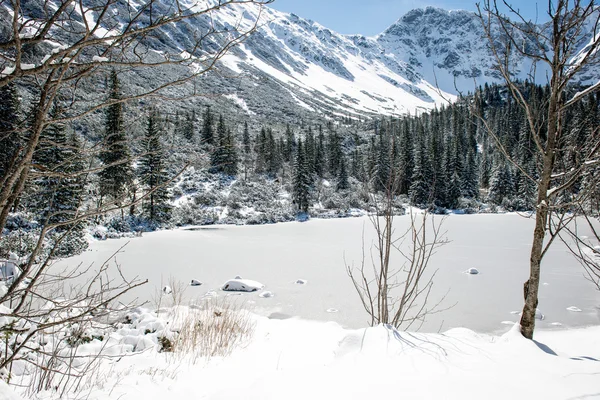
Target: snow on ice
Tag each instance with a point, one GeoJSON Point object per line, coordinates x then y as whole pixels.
{"type": "Point", "coordinates": [242, 285]}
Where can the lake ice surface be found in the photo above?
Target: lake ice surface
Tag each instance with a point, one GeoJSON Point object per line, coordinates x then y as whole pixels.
{"type": "Point", "coordinates": [280, 255]}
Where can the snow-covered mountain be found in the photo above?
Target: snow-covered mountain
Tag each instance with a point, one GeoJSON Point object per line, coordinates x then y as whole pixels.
{"type": "Point", "coordinates": [293, 67]}
{"type": "Point", "coordinates": [424, 59]}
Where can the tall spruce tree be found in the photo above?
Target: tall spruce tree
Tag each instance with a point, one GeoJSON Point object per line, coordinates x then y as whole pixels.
{"type": "Point", "coordinates": [152, 172]}
{"type": "Point", "coordinates": [502, 187]}
{"type": "Point", "coordinates": [302, 180]}
{"type": "Point", "coordinates": [116, 175]}
{"type": "Point", "coordinates": [343, 183]}
{"type": "Point", "coordinates": [421, 189]}
{"type": "Point", "coordinates": [59, 190]}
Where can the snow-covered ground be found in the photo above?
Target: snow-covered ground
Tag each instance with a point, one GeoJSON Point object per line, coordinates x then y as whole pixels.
{"type": "Point", "coordinates": [299, 359]}
{"type": "Point", "coordinates": [278, 256]}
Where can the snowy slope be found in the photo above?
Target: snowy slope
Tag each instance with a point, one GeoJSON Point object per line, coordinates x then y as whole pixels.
{"type": "Point", "coordinates": [295, 68]}
{"type": "Point", "coordinates": [296, 359]}
{"type": "Point", "coordinates": [321, 69]}
{"type": "Point", "coordinates": [423, 60]}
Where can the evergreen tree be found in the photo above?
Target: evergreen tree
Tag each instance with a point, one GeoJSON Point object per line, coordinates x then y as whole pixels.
{"type": "Point", "coordinates": [302, 180]}
{"type": "Point", "coordinates": [189, 128]}
{"type": "Point", "coordinates": [343, 183]}
{"type": "Point", "coordinates": [453, 191]}
{"type": "Point", "coordinates": [59, 190]}
{"type": "Point", "coordinates": [405, 159]}
{"type": "Point", "coordinates": [320, 155]}
{"type": "Point", "coordinates": [10, 138]}
{"type": "Point", "coordinates": [208, 134]}
{"type": "Point", "coordinates": [290, 144]}
{"type": "Point", "coordinates": [152, 172]}
{"type": "Point", "coordinates": [384, 165]}
{"type": "Point", "coordinates": [230, 166]}
{"type": "Point", "coordinates": [116, 175]}
{"type": "Point", "coordinates": [218, 156]}
{"type": "Point", "coordinates": [224, 157]}
{"type": "Point", "coordinates": [420, 189]}
{"type": "Point", "coordinates": [502, 187]}
{"type": "Point", "coordinates": [246, 138]}
{"type": "Point", "coordinates": [335, 153]}
{"type": "Point", "coordinates": [310, 151]}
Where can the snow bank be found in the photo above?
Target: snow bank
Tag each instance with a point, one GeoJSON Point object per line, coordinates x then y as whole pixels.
{"type": "Point", "coordinates": [6, 393]}
{"type": "Point", "coordinates": [242, 285]}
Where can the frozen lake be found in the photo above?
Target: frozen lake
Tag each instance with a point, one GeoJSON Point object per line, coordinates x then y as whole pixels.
{"type": "Point", "coordinates": [279, 255]}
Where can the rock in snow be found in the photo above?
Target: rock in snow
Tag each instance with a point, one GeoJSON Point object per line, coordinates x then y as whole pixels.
{"type": "Point", "coordinates": [167, 290]}
{"type": "Point", "coordinates": [266, 294]}
{"type": "Point", "coordinates": [472, 271]}
{"type": "Point", "coordinates": [242, 285]}
{"type": "Point", "coordinates": [300, 282]}
{"type": "Point", "coordinates": [195, 282]}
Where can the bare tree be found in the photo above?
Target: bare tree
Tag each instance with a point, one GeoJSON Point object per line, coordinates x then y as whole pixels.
{"type": "Point", "coordinates": [397, 292]}
{"type": "Point", "coordinates": [563, 49]}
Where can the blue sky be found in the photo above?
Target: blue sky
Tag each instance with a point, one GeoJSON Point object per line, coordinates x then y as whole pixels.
{"type": "Point", "coordinates": [370, 17]}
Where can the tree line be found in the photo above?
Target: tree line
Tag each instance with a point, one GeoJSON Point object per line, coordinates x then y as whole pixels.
{"type": "Point", "coordinates": [443, 159]}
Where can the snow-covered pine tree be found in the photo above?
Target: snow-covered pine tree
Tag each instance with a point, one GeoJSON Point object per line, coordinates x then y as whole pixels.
{"type": "Point", "coordinates": [152, 172]}
{"type": "Point", "coordinates": [58, 192]}
{"type": "Point", "coordinates": [502, 187]}
{"type": "Point", "coordinates": [302, 180]}
{"type": "Point", "coordinates": [420, 189]}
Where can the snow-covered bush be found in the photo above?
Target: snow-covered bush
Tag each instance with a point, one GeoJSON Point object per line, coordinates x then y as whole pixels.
{"type": "Point", "coordinates": [21, 242]}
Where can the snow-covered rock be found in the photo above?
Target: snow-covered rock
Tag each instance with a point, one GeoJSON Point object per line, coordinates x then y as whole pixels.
{"type": "Point", "coordinates": [195, 282]}
{"type": "Point", "coordinates": [266, 294]}
{"type": "Point", "coordinates": [472, 271]}
{"type": "Point", "coordinates": [242, 285]}
{"type": "Point", "coordinates": [301, 282]}
{"type": "Point", "coordinates": [167, 290]}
